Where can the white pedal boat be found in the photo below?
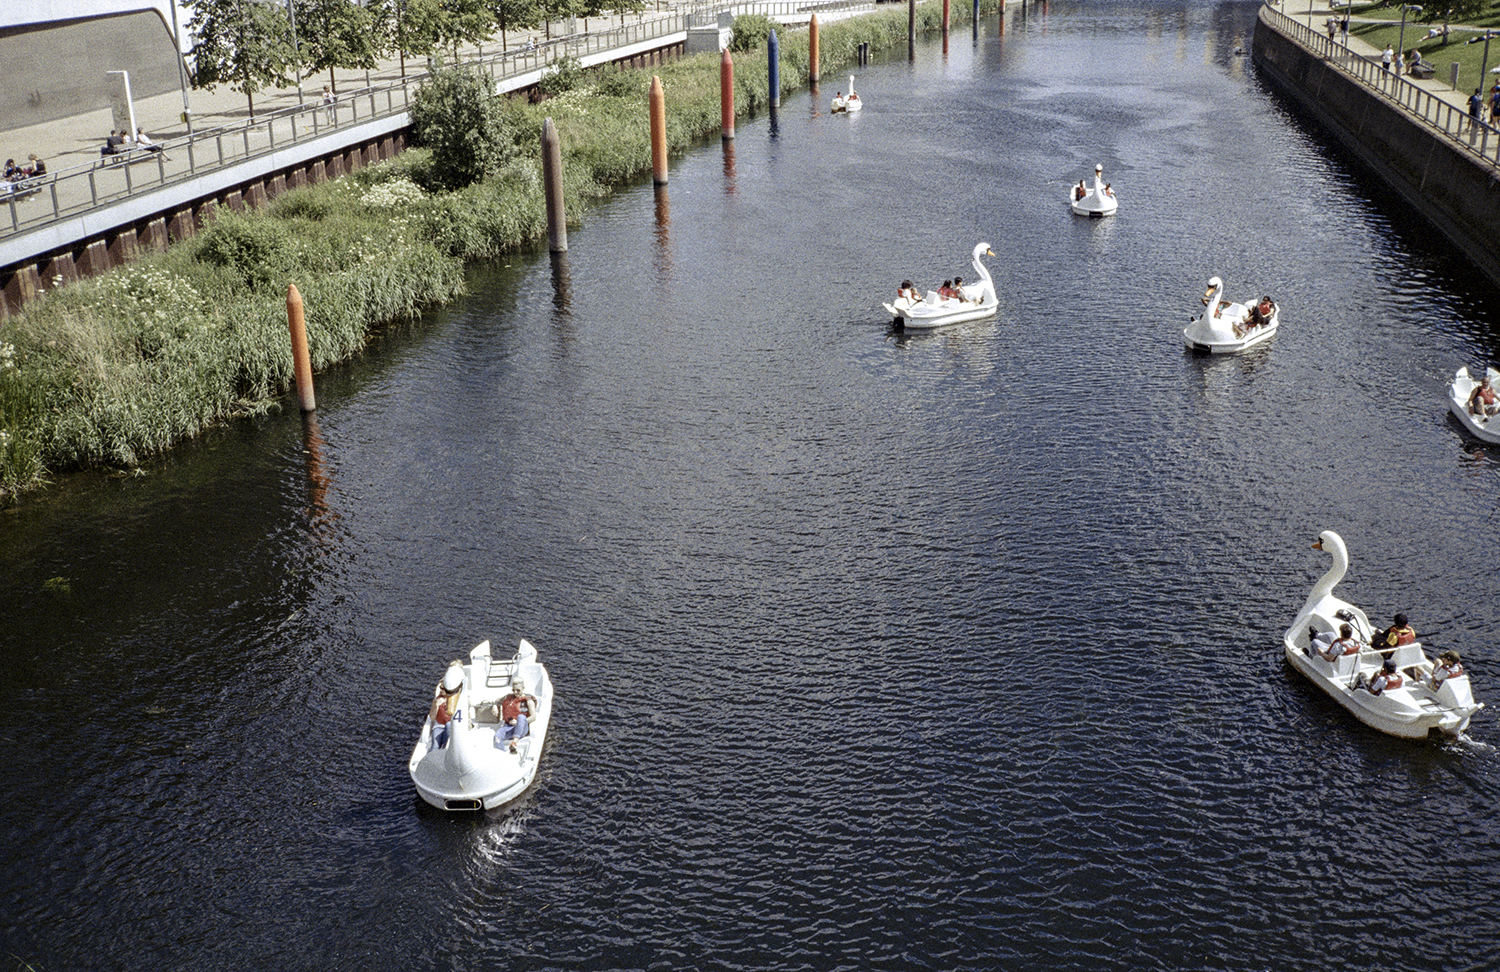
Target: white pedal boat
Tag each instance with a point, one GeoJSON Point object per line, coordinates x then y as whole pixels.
{"type": "Point", "coordinates": [1096, 201]}
{"type": "Point", "coordinates": [848, 102]}
{"type": "Point", "coordinates": [472, 771]}
{"type": "Point", "coordinates": [979, 301]}
{"type": "Point", "coordinates": [1228, 328]}
{"type": "Point", "coordinates": [1487, 429]}
{"type": "Point", "coordinates": [1411, 711]}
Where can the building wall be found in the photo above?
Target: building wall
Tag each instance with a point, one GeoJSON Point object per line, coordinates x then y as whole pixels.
{"type": "Point", "coordinates": [57, 69]}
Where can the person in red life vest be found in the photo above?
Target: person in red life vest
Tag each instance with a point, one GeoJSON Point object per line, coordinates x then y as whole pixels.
{"type": "Point", "coordinates": [1345, 645]}
{"type": "Point", "coordinates": [1447, 667]}
{"type": "Point", "coordinates": [1078, 191]}
{"type": "Point", "coordinates": [909, 291]}
{"type": "Point", "coordinates": [1388, 678]}
{"type": "Point", "coordinates": [1399, 633]}
{"type": "Point", "coordinates": [516, 711]}
{"type": "Point", "coordinates": [445, 704]}
{"type": "Point", "coordinates": [1482, 400]}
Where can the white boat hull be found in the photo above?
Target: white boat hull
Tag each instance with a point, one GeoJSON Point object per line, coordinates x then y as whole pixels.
{"type": "Point", "coordinates": [471, 772]}
{"type": "Point", "coordinates": [1458, 403]}
{"type": "Point", "coordinates": [1097, 201]}
{"type": "Point", "coordinates": [928, 314]}
{"type": "Point", "coordinates": [1412, 711]}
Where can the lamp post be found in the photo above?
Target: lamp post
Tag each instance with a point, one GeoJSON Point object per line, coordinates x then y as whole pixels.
{"type": "Point", "coordinates": [1401, 36]}
{"type": "Point", "coordinates": [187, 111]}
{"type": "Point", "coordinates": [129, 104]}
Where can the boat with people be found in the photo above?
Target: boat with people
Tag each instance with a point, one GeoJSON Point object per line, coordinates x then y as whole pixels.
{"type": "Point", "coordinates": [1094, 201]}
{"type": "Point", "coordinates": [847, 102]}
{"type": "Point", "coordinates": [482, 741]}
{"type": "Point", "coordinates": [1476, 416]}
{"type": "Point", "coordinates": [965, 302]}
{"type": "Point", "coordinates": [1226, 327]}
{"type": "Point", "coordinates": [1395, 689]}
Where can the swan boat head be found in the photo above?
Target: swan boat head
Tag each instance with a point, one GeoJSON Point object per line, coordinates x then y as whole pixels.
{"type": "Point", "coordinates": [1212, 296]}
{"type": "Point", "coordinates": [986, 286]}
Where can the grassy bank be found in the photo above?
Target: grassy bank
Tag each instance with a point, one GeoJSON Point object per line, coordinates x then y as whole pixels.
{"type": "Point", "coordinates": [114, 370]}
{"type": "Point", "coordinates": [1384, 27]}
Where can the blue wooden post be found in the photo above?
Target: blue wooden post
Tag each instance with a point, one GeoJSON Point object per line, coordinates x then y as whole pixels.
{"type": "Point", "coordinates": [773, 53]}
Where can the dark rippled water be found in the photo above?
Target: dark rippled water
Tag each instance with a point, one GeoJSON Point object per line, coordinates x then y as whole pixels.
{"type": "Point", "coordinates": [948, 651]}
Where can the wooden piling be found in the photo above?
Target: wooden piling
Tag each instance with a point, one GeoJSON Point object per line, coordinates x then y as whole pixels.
{"type": "Point", "coordinates": [773, 59]}
{"type": "Point", "coordinates": [301, 363]}
{"type": "Point", "coordinates": [552, 185]}
{"type": "Point", "coordinates": [658, 132]}
{"type": "Point", "coordinates": [945, 16]}
{"type": "Point", "coordinates": [726, 95]}
{"type": "Point", "coordinates": [812, 48]}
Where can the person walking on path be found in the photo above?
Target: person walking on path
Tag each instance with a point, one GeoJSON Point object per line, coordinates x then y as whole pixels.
{"type": "Point", "coordinates": [1387, 57]}
{"type": "Point", "coordinates": [1495, 104]}
{"type": "Point", "coordinates": [1476, 109]}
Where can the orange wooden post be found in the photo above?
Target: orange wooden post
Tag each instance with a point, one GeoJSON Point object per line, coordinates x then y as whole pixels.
{"type": "Point", "coordinates": [301, 363]}
{"type": "Point", "coordinates": [726, 94]}
{"type": "Point", "coordinates": [658, 132]}
{"type": "Point", "coordinates": [945, 16]}
{"type": "Point", "coordinates": [812, 48]}
{"type": "Point", "coordinates": [552, 185]}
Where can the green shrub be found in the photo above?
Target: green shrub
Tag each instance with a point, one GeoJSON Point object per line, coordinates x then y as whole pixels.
{"type": "Point", "coordinates": [563, 75]}
{"type": "Point", "coordinates": [458, 116]}
{"type": "Point", "coordinates": [254, 250]}
{"type": "Point", "coordinates": [621, 84]}
{"type": "Point", "coordinates": [751, 31]}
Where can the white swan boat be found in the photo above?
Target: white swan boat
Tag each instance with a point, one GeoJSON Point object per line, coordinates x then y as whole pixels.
{"type": "Point", "coordinates": [1487, 429]}
{"type": "Point", "coordinates": [1098, 200]}
{"type": "Point", "coordinates": [848, 102]}
{"type": "Point", "coordinates": [1228, 328]}
{"type": "Point", "coordinates": [1414, 709]}
{"type": "Point", "coordinates": [473, 769]}
{"type": "Point", "coordinates": [978, 301]}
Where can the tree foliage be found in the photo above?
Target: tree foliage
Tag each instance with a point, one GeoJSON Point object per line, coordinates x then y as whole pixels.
{"type": "Point", "coordinates": [458, 116]}
{"type": "Point", "coordinates": [336, 34]}
{"type": "Point", "coordinates": [246, 44]}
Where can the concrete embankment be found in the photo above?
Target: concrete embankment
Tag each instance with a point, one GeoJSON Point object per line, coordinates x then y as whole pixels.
{"type": "Point", "coordinates": [1453, 189]}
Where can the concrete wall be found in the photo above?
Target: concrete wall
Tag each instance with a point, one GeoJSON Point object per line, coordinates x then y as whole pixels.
{"type": "Point", "coordinates": [57, 70]}
{"type": "Point", "coordinates": [1455, 191]}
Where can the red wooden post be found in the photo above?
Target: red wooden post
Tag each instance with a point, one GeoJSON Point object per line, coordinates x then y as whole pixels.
{"type": "Point", "coordinates": [301, 363]}
{"type": "Point", "coordinates": [726, 94]}
{"type": "Point", "coordinates": [812, 48]}
{"type": "Point", "coordinates": [658, 132]}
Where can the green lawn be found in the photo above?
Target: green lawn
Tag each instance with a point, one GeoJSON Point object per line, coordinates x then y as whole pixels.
{"type": "Point", "coordinates": [1442, 52]}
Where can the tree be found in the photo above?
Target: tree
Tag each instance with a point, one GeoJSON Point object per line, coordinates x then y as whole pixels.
{"type": "Point", "coordinates": [246, 44]}
{"type": "Point", "coordinates": [458, 116]}
{"type": "Point", "coordinates": [516, 15]}
{"type": "Point", "coordinates": [336, 34]}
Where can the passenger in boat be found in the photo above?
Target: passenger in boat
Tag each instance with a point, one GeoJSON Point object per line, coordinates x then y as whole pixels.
{"type": "Point", "coordinates": [1386, 678]}
{"type": "Point", "coordinates": [516, 712]}
{"type": "Point", "coordinates": [1398, 634]}
{"type": "Point", "coordinates": [909, 291]}
{"type": "Point", "coordinates": [1346, 644]}
{"type": "Point", "coordinates": [1447, 667]}
{"type": "Point", "coordinates": [1482, 400]}
{"type": "Point", "coordinates": [1108, 191]}
{"type": "Point", "coordinates": [946, 290]}
{"type": "Point", "coordinates": [1078, 191]}
{"type": "Point", "coordinates": [958, 288]}
{"type": "Point", "coordinates": [445, 704]}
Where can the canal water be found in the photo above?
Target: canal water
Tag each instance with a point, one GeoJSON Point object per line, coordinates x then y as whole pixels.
{"type": "Point", "coordinates": [873, 650]}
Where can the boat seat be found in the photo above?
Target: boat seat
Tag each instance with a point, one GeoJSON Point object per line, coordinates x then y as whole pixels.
{"type": "Point", "coordinates": [1345, 665]}
{"type": "Point", "coordinates": [1408, 655]}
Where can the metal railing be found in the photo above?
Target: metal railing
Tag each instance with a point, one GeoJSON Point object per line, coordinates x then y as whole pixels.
{"type": "Point", "coordinates": [1475, 136]}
